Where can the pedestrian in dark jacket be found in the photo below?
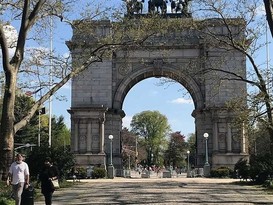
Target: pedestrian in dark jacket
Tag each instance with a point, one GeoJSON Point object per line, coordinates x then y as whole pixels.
{"type": "Point", "coordinates": [47, 174]}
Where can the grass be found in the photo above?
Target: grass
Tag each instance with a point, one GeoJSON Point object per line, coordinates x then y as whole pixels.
{"type": "Point", "coordinates": [5, 194]}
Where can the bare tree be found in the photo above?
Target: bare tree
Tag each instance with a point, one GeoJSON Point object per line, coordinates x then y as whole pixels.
{"type": "Point", "coordinates": [249, 40]}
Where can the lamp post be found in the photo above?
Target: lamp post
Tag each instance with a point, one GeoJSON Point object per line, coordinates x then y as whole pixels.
{"type": "Point", "coordinates": [136, 155]}
{"type": "Point", "coordinates": [207, 165]}
{"type": "Point", "coordinates": [111, 167]}
{"type": "Point", "coordinates": [188, 169]}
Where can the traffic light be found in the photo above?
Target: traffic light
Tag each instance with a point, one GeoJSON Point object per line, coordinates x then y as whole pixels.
{"type": "Point", "coordinates": [42, 111]}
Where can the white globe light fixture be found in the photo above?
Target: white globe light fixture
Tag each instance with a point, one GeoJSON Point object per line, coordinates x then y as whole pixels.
{"type": "Point", "coordinates": [111, 137]}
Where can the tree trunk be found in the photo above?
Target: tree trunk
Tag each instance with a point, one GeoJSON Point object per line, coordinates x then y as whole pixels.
{"type": "Point", "coordinates": [268, 4]}
{"type": "Point", "coordinates": [7, 123]}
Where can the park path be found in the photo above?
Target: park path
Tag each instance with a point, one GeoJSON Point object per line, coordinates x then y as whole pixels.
{"type": "Point", "coordinates": [161, 191]}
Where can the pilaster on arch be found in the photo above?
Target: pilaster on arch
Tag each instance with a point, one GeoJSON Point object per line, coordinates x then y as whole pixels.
{"type": "Point", "coordinates": [165, 71]}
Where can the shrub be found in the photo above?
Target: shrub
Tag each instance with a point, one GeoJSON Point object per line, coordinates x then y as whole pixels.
{"type": "Point", "coordinates": [261, 168]}
{"type": "Point", "coordinates": [221, 172]}
{"type": "Point", "coordinates": [242, 169]}
{"type": "Point", "coordinates": [5, 193]}
{"type": "Point", "coordinates": [268, 184]}
{"type": "Point", "coordinates": [81, 172]}
{"type": "Point", "coordinates": [5, 201]}
{"type": "Point", "coordinates": [98, 172]}
{"type": "Point", "coordinates": [63, 159]}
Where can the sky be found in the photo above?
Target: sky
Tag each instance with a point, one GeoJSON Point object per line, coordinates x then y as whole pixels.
{"type": "Point", "coordinates": [168, 100]}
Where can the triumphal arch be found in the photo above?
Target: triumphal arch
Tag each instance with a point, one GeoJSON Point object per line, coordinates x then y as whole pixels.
{"type": "Point", "coordinates": [191, 57]}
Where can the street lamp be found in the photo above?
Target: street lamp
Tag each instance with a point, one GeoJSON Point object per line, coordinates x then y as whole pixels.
{"type": "Point", "coordinates": [111, 167]}
{"type": "Point", "coordinates": [136, 155]}
{"type": "Point", "coordinates": [188, 170]}
{"type": "Point", "coordinates": [111, 149]}
{"type": "Point", "coordinates": [207, 165]}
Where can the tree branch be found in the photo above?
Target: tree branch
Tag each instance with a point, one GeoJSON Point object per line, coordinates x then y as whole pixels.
{"type": "Point", "coordinates": [268, 4]}
{"type": "Point", "coordinates": [4, 48]}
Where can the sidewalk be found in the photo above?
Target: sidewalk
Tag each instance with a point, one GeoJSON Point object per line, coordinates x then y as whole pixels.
{"type": "Point", "coordinates": [161, 191]}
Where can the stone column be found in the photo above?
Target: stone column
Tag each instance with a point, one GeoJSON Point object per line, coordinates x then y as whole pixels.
{"type": "Point", "coordinates": [101, 121]}
{"type": "Point", "coordinates": [89, 137]}
{"type": "Point", "coordinates": [229, 139]}
{"type": "Point", "coordinates": [215, 137]}
{"type": "Point", "coordinates": [243, 141]}
{"type": "Point", "coordinates": [76, 135]}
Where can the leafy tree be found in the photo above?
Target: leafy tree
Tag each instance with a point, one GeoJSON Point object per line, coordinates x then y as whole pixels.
{"type": "Point", "coordinates": [191, 144]}
{"type": "Point", "coordinates": [60, 133]}
{"type": "Point", "coordinates": [62, 158]}
{"type": "Point", "coordinates": [153, 127]}
{"type": "Point", "coordinates": [30, 132]}
{"type": "Point", "coordinates": [175, 153]}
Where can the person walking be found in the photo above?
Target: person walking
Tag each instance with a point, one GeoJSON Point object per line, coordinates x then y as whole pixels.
{"type": "Point", "coordinates": [18, 177]}
{"type": "Point", "coordinates": [47, 174]}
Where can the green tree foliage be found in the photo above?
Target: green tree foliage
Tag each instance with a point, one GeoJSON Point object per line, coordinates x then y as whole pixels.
{"type": "Point", "coordinates": [191, 144]}
{"type": "Point", "coordinates": [60, 139]}
{"type": "Point", "coordinates": [60, 133]}
{"type": "Point", "coordinates": [153, 127]}
{"type": "Point", "coordinates": [30, 132]}
{"type": "Point", "coordinates": [176, 153]}
{"type": "Point", "coordinates": [62, 158]}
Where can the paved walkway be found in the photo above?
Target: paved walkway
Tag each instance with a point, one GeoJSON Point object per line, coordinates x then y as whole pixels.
{"type": "Point", "coordinates": [160, 191]}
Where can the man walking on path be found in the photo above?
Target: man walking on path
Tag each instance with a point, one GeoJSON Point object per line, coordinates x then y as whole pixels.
{"type": "Point", "coordinates": [18, 177]}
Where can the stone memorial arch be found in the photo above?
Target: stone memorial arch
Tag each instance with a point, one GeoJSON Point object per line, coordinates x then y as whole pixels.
{"type": "Point", "coordinates": [99, 92]}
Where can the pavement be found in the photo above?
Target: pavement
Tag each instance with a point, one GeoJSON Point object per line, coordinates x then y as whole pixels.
{"type": "Point", "coordinates": [161, 191]}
